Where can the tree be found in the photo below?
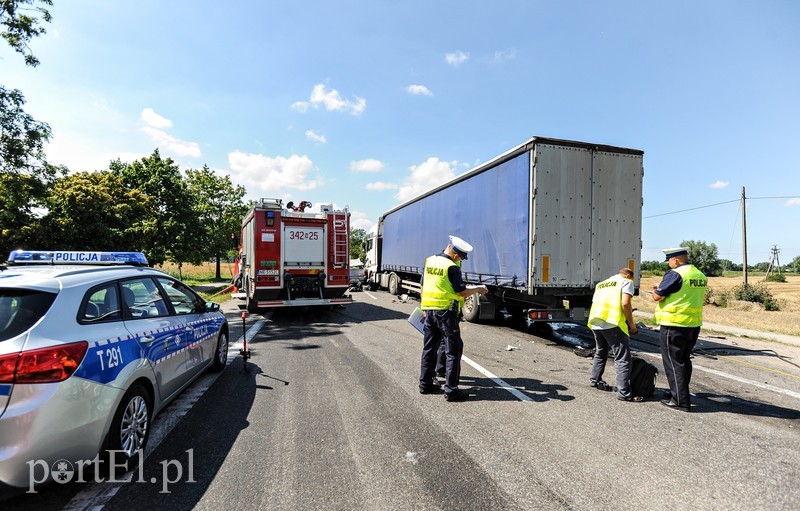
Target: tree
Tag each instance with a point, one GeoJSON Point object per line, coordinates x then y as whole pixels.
{"type": "Point", "coordinates": [795, 264]}
{"type": "Point", "coordinates": [728, 265]}
{"type": "Point", "coordinates": [220, 206]}
{"type": "Point", "coordinates": [21, 24]}
{"type": "Point", "coordinates": [704, 257]}
{"type": "Point", "coordinates": [95, 211]}
{"type": "Point", "coordinates": [172, 233]}
{"type": "Point", "coordinates": [24, 171]}
{"type": "Point", "coordinates": [654, 266]}
{"type": "Point", "coordinates": [357, 237]}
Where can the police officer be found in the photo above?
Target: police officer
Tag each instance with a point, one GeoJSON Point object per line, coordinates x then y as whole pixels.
{"type": "Point", "coordinates": [611, 321]}
{"type": "Point", "coordinates": [443, 293]}
{"type": "Point", "coordinates": [679, 311]}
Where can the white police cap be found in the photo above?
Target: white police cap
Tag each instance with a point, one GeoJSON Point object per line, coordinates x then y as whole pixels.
{"type": "Point", "coordinates": [461, 247]}
{"type": "Point", "coordinates": [673, 252]}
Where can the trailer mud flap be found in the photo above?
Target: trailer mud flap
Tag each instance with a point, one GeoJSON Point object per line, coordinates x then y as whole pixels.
{"type": "Point", "coordinates": [486, 308]}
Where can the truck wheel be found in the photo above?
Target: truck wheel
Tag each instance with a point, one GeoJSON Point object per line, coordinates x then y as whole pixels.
{"type": "Point", "coordinates": [394, 284]}
{"type": "Point", "coordinates": [471, 309]}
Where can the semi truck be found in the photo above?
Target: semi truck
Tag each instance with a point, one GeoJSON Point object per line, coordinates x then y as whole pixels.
{"type": "Point", "coordinates": [290, 257]}
{"type": "Point", "coordinates": [548, 220]}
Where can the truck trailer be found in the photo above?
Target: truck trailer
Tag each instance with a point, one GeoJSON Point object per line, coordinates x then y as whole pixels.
{"type": "Point", "coordinates": [548, 220]}
{"type": "Point", "coordinates": [289, 257]}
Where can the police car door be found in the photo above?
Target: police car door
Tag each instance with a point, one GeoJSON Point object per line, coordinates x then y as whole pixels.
{"type": "Point", "coordinates": [201, 327]}
{"type": "Point", "coordinates": [161, 334]}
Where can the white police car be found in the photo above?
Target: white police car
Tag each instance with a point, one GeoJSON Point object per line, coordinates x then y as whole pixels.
{"type": "Point", "coordinates": [92, 346]}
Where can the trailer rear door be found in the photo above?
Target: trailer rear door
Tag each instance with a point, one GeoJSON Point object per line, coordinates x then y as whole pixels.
{"type": "Point", "coordinates": [561, 217]}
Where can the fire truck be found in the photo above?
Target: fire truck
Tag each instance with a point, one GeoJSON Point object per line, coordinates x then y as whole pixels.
{"type": "Point", "coordinates": [293, 258]}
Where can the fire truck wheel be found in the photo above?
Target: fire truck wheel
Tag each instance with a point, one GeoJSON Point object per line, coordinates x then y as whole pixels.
{"type": "Point", "coordinates": [394, 284]}
{"type": "Point", "coordinates": [471, 308]}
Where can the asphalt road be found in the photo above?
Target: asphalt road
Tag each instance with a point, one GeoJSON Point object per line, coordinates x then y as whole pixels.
{"type": "Point", "coordinates": [329, 417]}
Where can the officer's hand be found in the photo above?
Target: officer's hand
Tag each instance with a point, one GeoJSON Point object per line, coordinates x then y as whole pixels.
{"type": "Point", "coordinates": [634, 329]}
{"type": "Point", "coordinates": [483, 290]}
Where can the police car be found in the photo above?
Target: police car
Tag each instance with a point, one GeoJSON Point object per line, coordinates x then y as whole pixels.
{"type": "Point", "coordinates": [92, 346]}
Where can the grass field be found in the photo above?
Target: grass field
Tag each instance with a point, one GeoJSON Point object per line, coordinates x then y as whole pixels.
{"type": "Point", "coordinates": [743, 314]}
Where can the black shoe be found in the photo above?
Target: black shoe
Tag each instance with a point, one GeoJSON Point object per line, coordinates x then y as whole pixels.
{"type": "Point", "coordinates": [601, 385]}
{"type": "Point", "coordinates": [430, 389]}
{"type": "Point", "coordinates": [667, 394]}
{"type": "Point", "coordinates": [675, 406]}
{"type": "Point", "coordinates": [440, 375]}
{"type": "Point", "coordinates": [456, 396]}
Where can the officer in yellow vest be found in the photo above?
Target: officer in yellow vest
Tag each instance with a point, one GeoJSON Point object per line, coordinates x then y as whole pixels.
{"type": "Point", "coordinates": [611, 321]}
{"type": "Point", "coordinates": [443, 293]}
{"type": "Point", "coordinates": [679, 311]}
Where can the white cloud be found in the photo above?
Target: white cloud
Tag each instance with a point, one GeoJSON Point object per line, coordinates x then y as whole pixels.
{"type": "Point", "coordinates": [419, 90]}
{"type": "Point", "coordinates": [425, 176]}
{"type": "Point", "coordinates": [360, 220]}
{"type": "Point", "coordinates": [273, 176]}
{"type": "Point", "coordinates": [166, 141]}
{"type": "Point", "coordinates": [152, 119]}
{"type": "Point", "coordinates": [505, 55]}
{"type": "Point", "coordinates": [456, 58]}
{"type": "Point", "coordinates": [718, 185]}
{"type": "Point", "coordinates": [315, 137]}
{"type": "Point", "coordinates": [368, 165]}
{"type": "Point", "coordinates": [331, 100]}
{"type": "Point", "coordinates": [380, 186]}
{"type": "Point", "coordinates": [793, 202]}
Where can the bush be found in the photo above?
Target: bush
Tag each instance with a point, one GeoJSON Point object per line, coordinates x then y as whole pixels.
{"type": "Point", "coordinates": [757, 293]}
{"type": "Point", "coordinates": [776, 277]}
{"type": "Point", "coordinates": [720, 299]}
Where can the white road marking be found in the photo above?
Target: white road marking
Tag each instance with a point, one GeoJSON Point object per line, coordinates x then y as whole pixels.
{"type": "Point", "coordinates": [96, 495]}
{"type": "Point", "coordinates": [367, 293]}
{"type": "Point", "coordinates": [765, 386]}
{"type": "Point", "coordinates": [502, 384]}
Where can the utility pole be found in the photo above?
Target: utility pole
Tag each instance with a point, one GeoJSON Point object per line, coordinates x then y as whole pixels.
{"type": "Point", "coordinates": [774, 262]}
{"type": "Point", "coordinates": [744, 239]}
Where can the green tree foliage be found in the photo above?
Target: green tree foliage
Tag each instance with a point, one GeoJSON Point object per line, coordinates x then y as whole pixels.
{"type": "Point", "coordinates": [728, 265]}
{"type": "Point", "coordinates": [220, 210]}
{"type": "Point", "coordinates": [704, 257]}
{"type": "Point", "coordinates": [20, 22]}
{"type": "Point", "coordinates": [795, 264]}
{"type": "Point", "coordinates": [654, 266]}
{"type": "Point", "coordinates": [762, 266]}
{"type": "Point", "coordinates": [95, 211]}
{"type": "Point", "coordinates": [357, 237]}
{"type": "Point", "coordinates": [174, 232]}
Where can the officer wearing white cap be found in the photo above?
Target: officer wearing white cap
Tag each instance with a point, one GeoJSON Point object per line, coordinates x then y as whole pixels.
{"type": "Point", "coordinates": [679, 311]}
{"type": "Point", "coordinates": [443, 293]}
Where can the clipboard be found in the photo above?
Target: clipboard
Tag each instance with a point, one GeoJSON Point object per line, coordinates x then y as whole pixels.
{"type": "Point", "coordinates": [417, 319]}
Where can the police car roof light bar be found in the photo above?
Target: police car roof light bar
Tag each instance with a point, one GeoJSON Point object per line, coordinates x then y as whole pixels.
{"type": "Point", "coordinates": [26, 257]}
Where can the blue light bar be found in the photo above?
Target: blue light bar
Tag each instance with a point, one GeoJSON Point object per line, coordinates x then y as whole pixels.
{"type": "Point", "coordinates": [19, 257]}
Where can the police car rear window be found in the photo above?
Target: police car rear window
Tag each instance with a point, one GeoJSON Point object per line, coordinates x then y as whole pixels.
{"type": "Point", "coordinates": [20, 309]}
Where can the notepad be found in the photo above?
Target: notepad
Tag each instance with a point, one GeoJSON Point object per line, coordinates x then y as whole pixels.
{"type": "Point", "coordinates": [417, 319]}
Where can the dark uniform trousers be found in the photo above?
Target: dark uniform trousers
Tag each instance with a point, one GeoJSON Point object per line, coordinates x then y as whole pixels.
{"type": "Point", "coordinates": [441, 326]}
{"type": "Point", "coordinates": [677, 343]}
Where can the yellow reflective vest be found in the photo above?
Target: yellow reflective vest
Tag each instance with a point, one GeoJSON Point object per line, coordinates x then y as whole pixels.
{"type": "Point", "coordinates": [437, 290]}
{"type": "Point", "coordinates": [607, 303]}
{"type": "Point", "coordinates": [684, 307]}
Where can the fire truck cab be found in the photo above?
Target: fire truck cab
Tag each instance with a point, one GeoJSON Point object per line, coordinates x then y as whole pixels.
{"type": "Point", "coordinates": [290, 257]}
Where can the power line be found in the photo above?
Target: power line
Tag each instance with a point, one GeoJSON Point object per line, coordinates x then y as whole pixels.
{"type": "Point", "coordinates": [692, 209]}
{"type": "Point", "coordinates": [719, 204]}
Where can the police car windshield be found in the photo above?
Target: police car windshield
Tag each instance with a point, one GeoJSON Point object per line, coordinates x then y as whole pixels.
{"type": "Point", "coordinates": [21, 309]}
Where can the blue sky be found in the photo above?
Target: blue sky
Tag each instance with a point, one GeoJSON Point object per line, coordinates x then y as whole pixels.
{"type": "Point", "coordinates": [369, 103]}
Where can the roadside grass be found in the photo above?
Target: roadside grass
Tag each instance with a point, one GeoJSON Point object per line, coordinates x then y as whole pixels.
{"type": "Point", "coordinates": [203, 275]}
{"type": "Point", "coordinates": [738, 313]}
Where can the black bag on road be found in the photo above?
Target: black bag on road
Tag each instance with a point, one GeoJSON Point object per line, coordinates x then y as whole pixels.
{"type": "Point", "coordinates": [643, 377]}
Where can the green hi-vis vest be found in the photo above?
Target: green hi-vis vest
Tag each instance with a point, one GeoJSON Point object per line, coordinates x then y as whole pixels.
{"type": "Point", "coordinates": [437, 290]}
{"type": "Point", "coordinates": [607, 303]}
{"type": "Point", "coordinates": [685, 307]}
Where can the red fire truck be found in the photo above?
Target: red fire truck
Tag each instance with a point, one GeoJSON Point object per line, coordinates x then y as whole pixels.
{"type": "Point", "coordinates": [290, 257]}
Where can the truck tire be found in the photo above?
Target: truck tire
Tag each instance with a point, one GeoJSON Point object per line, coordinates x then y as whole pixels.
{"type": "Point", "coordinates": [471, 309]}
{"type": "Point", "coordinates": [394, 284]}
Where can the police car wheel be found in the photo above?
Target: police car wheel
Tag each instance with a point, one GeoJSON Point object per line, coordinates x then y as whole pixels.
{"type": "Point", "coordinates": [130, 428]}
{"type": "Point", "coordinates": [221, 353]}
